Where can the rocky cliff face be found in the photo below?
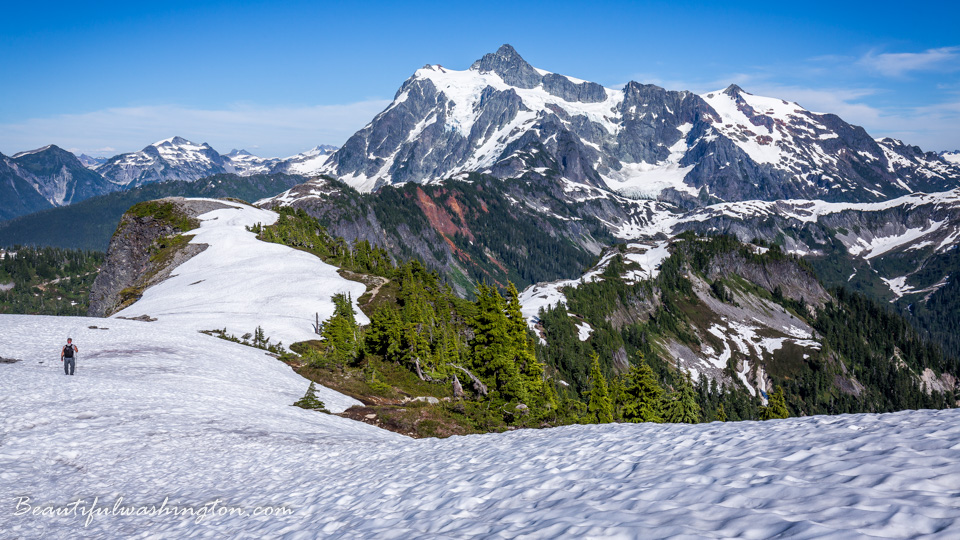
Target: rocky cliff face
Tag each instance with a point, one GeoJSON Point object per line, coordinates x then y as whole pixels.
{"type": "Point", "coordinates": [899, 250]}
{"type": "Point", "coordinates": [481, 228]}
{"type": "Point", "coordinates": [148, 246]}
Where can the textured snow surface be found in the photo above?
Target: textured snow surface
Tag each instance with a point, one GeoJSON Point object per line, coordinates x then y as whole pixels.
{"type": "Point", "coordinates": [155, 414]}
{"type": "Point", "coordinates": [239, 283]}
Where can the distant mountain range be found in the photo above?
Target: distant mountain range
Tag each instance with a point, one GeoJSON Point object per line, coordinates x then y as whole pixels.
{"type": "Point", "coordinates": [45, 178]}
{"type": "Point", "coordinates": [51, 177]}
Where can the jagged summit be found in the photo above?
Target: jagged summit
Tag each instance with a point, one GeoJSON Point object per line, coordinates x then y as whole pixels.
{"type": "Point", "coordinates": [510, 66]}
{"type": "Point", "coordinates": [733, 90]}
{"type": "Point", "coordinates": [175, 140]}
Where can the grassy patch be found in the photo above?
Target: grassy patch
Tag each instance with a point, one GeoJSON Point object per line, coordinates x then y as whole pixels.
{"type": "Point", "coordinates": [165, 212]}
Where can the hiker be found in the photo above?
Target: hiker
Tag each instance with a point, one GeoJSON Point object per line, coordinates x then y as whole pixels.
{"type": "Point", "coordinates": [67, 357]}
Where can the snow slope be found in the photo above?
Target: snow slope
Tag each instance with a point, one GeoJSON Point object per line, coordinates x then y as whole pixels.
{"type": "Point", "coordinates": [160, 412]}
{"type": "Point", "coordinates": [308, 163]}
{"type": "Point", "coordinates": [239, 283]}
{"type": "Point", "coordinates": [155, 414]}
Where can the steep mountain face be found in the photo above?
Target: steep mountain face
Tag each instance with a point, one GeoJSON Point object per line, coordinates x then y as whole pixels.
{"type": "Point", "coordinates": [59, 176]}
{"type": "Point", "coordinates": [902, 251]}
{"type": "Point", "coordinates": [44, 178]}
{"type": "Point", "coordinates": [506, 118]}
{"type": "Point", "coordinates": [478, 229]}
{"type": "Point", "coordinates": [17, 196]}
{"type": "Point", "coordinates": [734, 314]}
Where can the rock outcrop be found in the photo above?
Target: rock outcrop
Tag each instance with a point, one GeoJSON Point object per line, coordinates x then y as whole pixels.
{"type": "Point", "coordinates": [148, 245]}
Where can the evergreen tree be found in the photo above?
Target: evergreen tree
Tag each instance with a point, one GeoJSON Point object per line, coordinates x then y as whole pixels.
{"type": "Point", "coordinates": [683, 407]}
{"type": "Point", "coordinates": [599, 407]}
{"type": "Point", "coordinates": [644, 396]}
{"type": "Point", "coordinates": [491, 351]}
{"type": "Point", "coordinates": [311, 401]}
{"type": "Point", "coordinates": [618, 397]}
{"type": "Point", "coordinates": [341, 333]}
{"type": "Point", "coordinates": [721, 414]}
{"type": "Point", "coordinates": [524, 355]}
{"type": "Point", "coordinates": [776, 407]}
{"type": "Point", "coordinates": [385, 333]}
{"type": "Point", "coordinates": [259, 337]}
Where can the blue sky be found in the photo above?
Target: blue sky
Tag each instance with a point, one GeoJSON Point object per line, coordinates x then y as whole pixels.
{"type": "Point", "coordinates": [277, 79]}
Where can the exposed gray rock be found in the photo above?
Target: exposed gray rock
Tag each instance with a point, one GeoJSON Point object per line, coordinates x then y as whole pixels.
{"type": "Point", "coordinates": [508, 64]}
{"type": "Point", "coordinates": [130, 267]}
{"type": "Point", "coordinates": [793, 281]}
{"type": "Point", "coordinates": [562, 87]}
{"type": "Point", "coordinates": [422, 137]}
{"type": "Point", "coordinates": [45, 178]}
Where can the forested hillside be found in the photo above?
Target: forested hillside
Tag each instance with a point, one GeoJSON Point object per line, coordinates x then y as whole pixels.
{"type": "Point", "coordinates": [425, 340]}
{"type": "Point", "coordinates": [860, 357]}
{"type": "Point", "coordinates": [47, 281]}
{"type": "Point", "coordinates": [470, 231]}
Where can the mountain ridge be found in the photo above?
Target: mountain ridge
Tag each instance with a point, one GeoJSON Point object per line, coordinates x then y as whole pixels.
{"type": "Point", "coordinates": [695, 149]}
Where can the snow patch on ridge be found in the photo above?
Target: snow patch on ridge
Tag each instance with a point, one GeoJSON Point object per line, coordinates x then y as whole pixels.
{"type": "Point", "coordinates": [549, 294]}
{"type": "Point", "coordinates": [239, 282]}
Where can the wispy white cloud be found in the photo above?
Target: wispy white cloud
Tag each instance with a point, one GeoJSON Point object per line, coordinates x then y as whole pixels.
{"type": "Point", "coordinates": [272, 131]}
{"type": "Point", "coordinates": [931, 127]}
{"type": "Point", "coordinates": [899, 64]}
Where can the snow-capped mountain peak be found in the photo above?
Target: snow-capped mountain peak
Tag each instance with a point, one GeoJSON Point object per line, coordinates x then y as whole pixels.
{"type": "Point", "coordinates": [504, 117]}
{"type": "Point", "coordinates": [175, 158]}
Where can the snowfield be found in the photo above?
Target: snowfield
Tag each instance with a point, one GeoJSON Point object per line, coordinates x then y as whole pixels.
{"type": "Point", "coordinates": [239, 283]}
{"type": "Point", "coordinates": [154, 415]}
{"type": "Point", "coordinates": [161, 416]}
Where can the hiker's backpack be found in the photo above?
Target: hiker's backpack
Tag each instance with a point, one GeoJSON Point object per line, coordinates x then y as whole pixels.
{"type": "Point", "coordinates": [68, 351]}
